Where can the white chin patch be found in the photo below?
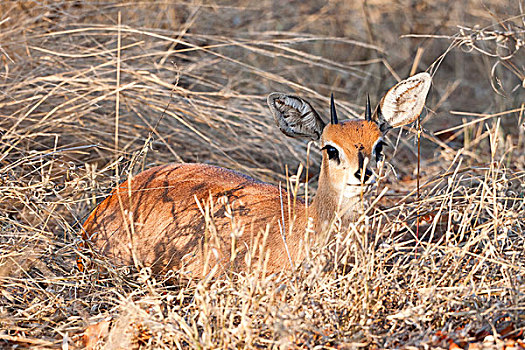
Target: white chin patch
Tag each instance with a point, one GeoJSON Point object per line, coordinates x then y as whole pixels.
{"type": "Point", "coordinates": [357, 189]}
{"type": "Point", "coordinates": [353, 191]}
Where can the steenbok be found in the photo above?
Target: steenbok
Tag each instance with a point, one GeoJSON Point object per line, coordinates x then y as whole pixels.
{"type": "Point", "coordinates": [196, 217]}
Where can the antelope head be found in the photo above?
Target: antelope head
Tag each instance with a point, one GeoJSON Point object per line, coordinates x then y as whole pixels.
{"type": "Point", "coordinates": [348, 146]}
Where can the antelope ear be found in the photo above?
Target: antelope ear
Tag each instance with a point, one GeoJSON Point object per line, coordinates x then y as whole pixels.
{"type": "Point", "coordinates": [403, 103]}
{"type": "Point", "coordinates": [295, 116]}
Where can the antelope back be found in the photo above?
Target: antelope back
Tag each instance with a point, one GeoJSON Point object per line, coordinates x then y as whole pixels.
{"type": "Point", "coordinates": [155, 217]}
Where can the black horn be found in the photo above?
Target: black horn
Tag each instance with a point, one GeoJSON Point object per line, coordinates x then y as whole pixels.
{"type": "Point", "coordinates": [333, 114]}
{"type": "Point", "coordinates": [368, 111]}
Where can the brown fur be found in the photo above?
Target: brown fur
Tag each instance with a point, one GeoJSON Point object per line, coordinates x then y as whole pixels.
{"type": "Point", "coordinates": [169, 231]}
{"type": "Point", "coordinates": [351, 136]}
{"type": "Point", "coordinates": [154, 219]}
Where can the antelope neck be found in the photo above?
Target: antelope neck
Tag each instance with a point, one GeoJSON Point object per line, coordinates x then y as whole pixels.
{"type": "Point", "coordinates": [328, 202]}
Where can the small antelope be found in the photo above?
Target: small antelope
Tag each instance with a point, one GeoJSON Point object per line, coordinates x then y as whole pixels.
{"type": "Point", "coordinates": [156, 218]}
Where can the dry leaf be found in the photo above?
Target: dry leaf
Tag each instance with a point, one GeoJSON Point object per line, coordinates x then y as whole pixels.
{"type": "Point", "coordinates": [95, 333]}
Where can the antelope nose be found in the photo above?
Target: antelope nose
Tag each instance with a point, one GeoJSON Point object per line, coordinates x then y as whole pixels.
{"type": "Point", "coordinates": [368, 173]}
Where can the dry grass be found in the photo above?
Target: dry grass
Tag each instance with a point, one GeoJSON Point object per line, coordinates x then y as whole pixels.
{"type": "Point", "coordinates": [84, 101]}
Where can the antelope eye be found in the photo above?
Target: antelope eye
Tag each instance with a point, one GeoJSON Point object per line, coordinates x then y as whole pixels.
{"type": "Point", "coordinates": [378, 151]}
{"type": "Point", "coordinates": [332, 152]}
